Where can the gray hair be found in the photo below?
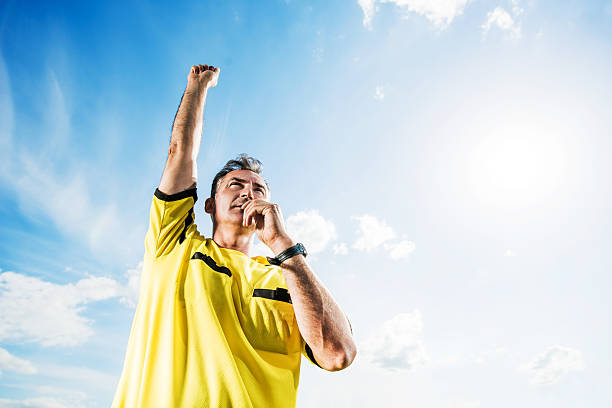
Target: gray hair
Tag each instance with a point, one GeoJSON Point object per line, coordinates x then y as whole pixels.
{"type": "Point", "coordinates": [242, 162]}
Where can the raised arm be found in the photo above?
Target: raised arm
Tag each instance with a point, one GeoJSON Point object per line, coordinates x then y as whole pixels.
{"type": "Point", "coordinates": [181, 170]}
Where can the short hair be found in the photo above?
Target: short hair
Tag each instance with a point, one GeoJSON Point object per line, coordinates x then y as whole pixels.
{"type": "Point", "coordinates": [242, 162]}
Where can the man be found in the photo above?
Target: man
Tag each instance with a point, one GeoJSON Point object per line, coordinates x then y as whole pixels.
{"type": "Point", "coordinates": [215, 327]}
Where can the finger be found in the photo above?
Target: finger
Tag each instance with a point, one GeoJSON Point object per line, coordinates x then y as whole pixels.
{"type": "Point", "coordinates": [246, 220]}
{"type": "Point", "coordinates": [246, 203]}
{"type": "Point", "coordinates": [249, 215]}
{"type": "Point", "coordinates": [193, 69]}
{"type": "Point", "coordinates": [245, 217]}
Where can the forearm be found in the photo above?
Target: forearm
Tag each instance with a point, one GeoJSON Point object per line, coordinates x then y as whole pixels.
{"type": "Point", "coordinates": [180, 171]}
{"type": "Point", "coordinates": [188, 124]}
{"type": "Point", "coordinates": [322, 323]}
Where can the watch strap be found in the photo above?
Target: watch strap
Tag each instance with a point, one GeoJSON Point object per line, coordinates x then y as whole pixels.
{"type": "Point", "coordinates": [290, 252]}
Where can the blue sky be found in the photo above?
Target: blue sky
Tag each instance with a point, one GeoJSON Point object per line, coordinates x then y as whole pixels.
{"type": "Point", "coordinates": [445, 162]}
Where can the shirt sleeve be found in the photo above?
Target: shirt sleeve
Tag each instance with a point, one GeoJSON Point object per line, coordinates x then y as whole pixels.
{"type": "Point", "coordinates": [170, 220]}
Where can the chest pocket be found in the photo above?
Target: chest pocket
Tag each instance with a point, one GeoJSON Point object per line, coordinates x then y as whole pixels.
{"type": "Point", "coordinates": [205, 279]}
{"type": "Point", "coordinates": [270, 323]}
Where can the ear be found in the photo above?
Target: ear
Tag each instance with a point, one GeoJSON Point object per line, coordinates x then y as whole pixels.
{"type": "Point", "coordinates": [209, 205]}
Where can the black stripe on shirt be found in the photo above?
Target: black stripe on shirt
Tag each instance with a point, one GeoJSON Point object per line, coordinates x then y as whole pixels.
{"type": "Point", "coordinates": [191, 192]}
{"type": "Point", "coordinates": [211, 263]}
{"type": "Point", "coordinates": [281, 294]}
{"type": "Point", "coordinates": [188, 222]}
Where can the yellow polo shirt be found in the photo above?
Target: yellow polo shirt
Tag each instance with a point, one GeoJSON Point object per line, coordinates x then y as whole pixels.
{"type": "Point", "coordinates": [213, 327]}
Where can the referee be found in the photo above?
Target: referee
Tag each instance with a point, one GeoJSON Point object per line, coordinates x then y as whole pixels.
{"type": "Point", "coordinates": [215, 327]}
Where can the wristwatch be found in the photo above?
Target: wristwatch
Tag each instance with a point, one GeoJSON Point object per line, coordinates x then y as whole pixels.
{"type": "Point", "coordinates": [290, 252]}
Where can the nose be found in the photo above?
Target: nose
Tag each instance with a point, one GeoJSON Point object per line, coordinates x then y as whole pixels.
{"type": "Point", "coordinates": [248, 192]}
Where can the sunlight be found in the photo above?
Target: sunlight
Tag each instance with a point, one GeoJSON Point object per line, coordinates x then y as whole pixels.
{"type": "Point", "coordinates": [516, 165]}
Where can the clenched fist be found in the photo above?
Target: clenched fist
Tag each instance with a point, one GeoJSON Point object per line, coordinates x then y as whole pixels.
{"type": "Point", "coordinates": [202, 77]}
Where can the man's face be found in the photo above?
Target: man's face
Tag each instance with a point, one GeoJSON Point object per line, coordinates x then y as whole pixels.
{"type": "Point", "coordinates": [235, 189]}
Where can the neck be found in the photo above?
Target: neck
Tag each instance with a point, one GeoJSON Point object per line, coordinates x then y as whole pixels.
{"type": "Point", "coordinates": [235, 238]}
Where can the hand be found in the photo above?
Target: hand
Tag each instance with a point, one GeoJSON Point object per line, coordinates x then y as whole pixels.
{"type": "Point", "coordinates": [267, 220]}
{"type": "Point", "coordinates": [202, 77]}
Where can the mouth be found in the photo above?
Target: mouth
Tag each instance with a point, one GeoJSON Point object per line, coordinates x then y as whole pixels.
{"type": "Point", "coordinates": [240, 205]}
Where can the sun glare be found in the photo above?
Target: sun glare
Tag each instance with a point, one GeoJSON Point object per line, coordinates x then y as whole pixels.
{"type": "Point", "coordinates": [516, 166]}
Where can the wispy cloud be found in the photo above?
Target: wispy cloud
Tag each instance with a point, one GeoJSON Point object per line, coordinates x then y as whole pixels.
{"type": "Point", "coordinates": [49, 180]}
{"type": "Point", "coordinates": [6, 117]}
{"type": "Point", "coordinates": [397, 344]}
{"type": "Point", "coordinates": [9, 362]}
{"type": "Point", "coordinates": [318, 53]}
{"type": "Point", "coordinates": [50, 397]}
{"type": "Point", "coordinates": [37, 402]}
{"type": "Point", "coordinates": [553, 364]}
{"type": "Point", "coordinates": [504, 20]}
{"type": "Point", "coordinates": [440, 12]}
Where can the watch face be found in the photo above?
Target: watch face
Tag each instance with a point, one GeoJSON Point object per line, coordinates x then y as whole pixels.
{"type": "Point", "coordinates": [303, 249]}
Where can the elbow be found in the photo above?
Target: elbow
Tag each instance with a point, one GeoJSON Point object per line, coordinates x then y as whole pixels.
{"type": "Point", "coordinates": [178, 148]}
{"type": "Point", "coordinates": [342, 359]}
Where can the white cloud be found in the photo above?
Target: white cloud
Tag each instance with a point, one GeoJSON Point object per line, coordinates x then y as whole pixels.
{"type": "Point", "coordinates": [131, 291]}
{"type": "Point", "coordinates": [61, 398]}
{"type": "Point", "coordinates": [517, 10]}
{"type": "Point", "coordinates": [397, 344]}
{"type": "Point", "coordinates": [378, 93]}
{"type": "Point", "coordinates": [440, 12]}
{"type": "Point", "coordinates": [504, 21]}
{"type": "Point", "coordinates": [368, 7]}
{"type": "Point", "coordinates": [261, 249]}
{"type": "Point", "coordinates": [311, 229]}
{"type": "Point", "coordinates": [340, 249]}
{"type": "Point", "coordinates": [510, 253]}
{"type": "Point", "coordinates": [551, 365]}
{"type": "Point", "coordinates": [9, 362]}
{"type": "Point", "coordinates": [400, 249]}
{"type": "Point", "coordinates": [372, 232]}
{"type": "Point", "coordinates": [36, 402]}
{"type": "Point", "coordinates": [32, 310]}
